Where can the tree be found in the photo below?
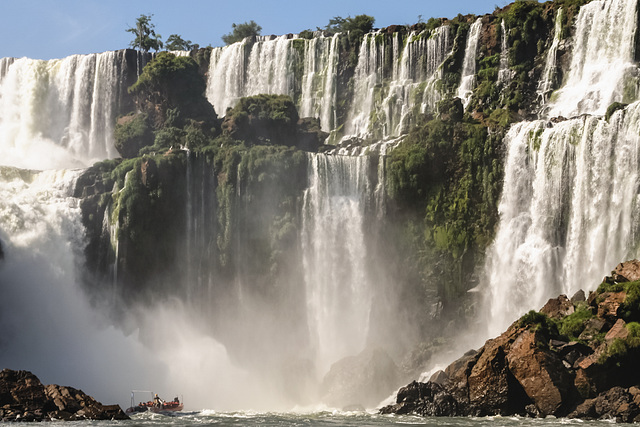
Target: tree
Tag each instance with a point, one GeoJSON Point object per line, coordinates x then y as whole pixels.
{"type": "Point", "coordinates": [361, 24]}
{"type": "Point", "coordinates": [175, 42]}
{"type": "Point", "coordinates": [241, 31]}
{"type": "Point", "coordinates": [145, 35]}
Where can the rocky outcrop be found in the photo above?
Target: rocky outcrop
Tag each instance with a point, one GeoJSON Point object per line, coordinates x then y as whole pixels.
{"type": "Point", "coordinates": [539, 367]}
{"type": "Point", "coordinates": [24, 398]}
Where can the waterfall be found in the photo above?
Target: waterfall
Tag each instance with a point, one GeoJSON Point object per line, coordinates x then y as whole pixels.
{"type": "Point", "coordinates": [547, 82]}
{"type": "Point", "coordinates": [391, 82]}
{"type": "Point", "coordinates": [468, 75]}
{"type": "Point", "coordinates": [60, 113]}
{"type": "Point", "coordinates": [504, 73]}
{"type": "Point", "coordinates": [334, 255]}
{"type": "Point", "coordinates": [602, 68]}
{"type": "Point", "coordinates": [270, 66]}
{"type": "Point", "coordinates": [382, 101]}
{"type": "Point", "coordinates": [318, 97]}
{"type": "Point", "coordinates": [568, 213]}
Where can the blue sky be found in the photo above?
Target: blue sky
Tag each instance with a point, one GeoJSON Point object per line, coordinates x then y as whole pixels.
{"type": "Point", "coordinates": [46, 29]}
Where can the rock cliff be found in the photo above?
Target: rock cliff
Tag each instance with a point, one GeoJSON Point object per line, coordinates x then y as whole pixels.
{"type": "Point", "coordinates": [574, 358]}
{"type": "Point", "coordinates": [24, 398]}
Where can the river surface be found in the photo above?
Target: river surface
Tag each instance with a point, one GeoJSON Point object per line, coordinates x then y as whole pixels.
{"type": "Point", "coordinates": [359, 419]}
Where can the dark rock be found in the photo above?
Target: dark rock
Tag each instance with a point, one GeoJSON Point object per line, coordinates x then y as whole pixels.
{"type": "Point", "coordinates": [616, 403]}
{"type": "Point", "coordinates": [541, 373]}
{"type": "Point", "coordinates": [310, 134]}
{"type": "Point", "coordinates": [149, 170]}
{"type": "Point", "coordinates": [440, 377]}
{"type": "Point", "coordinates": [592, 328]}
{"type": "Point", "coordinates": [425, 399]}
{"type": "Point", "coordinates": [24, 398]}
{"type": "Point", "coordinates": [578, 297]}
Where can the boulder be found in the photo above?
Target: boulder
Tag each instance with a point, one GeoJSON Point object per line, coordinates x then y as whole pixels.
{"type": "Point", "coordinates": [578, 297]}
{"type": "Point", "coordinates": [618, 330]}
{"type": "Point", "coordinates": [557, 308]}
{"type": "Point", "coordinates": [617, 403]}
{"type": "Point", "coordinates": [628, 271]}
{"type": "Point", "coordinates": [541, 374]}
{"type": "Point", "coordinates": [425, 399]}
{"type": "Point", "coordinates": [609, 305]}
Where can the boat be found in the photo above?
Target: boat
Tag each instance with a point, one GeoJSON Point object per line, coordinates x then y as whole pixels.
{"type": "Point", "coordinates": [156, 404]}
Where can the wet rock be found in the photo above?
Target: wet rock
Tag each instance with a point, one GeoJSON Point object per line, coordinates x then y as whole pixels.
{"type": "Point", "coordinates": [616, 403]}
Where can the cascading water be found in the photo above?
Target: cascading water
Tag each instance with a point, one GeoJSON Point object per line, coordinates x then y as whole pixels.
{"type": "Point", "coordinates": [381, 102]}
{"type": "Point", "coordinates": [252, 68]}
{"type": "Point", "coordinates": [468, 75]}
{"type": "Point", "coordinates": [334, 255]}
{"type": "Point", "coordinates": [602, 69]}
{"type": "Point", "coordinates": [47, 324]}
{"type": "Point", "coordinates": [60, 113]}
{"type": "Point", "coordinates": [569, 210]}
{"type": "Point", "coordinates": [504, 73]}
{"type": "Point", "coordinates": [548, 80]}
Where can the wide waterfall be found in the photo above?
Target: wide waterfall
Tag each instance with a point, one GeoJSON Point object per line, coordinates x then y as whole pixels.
{"type": "Point", "coordinates": [389, 83]}
{"type": "Point", "coordinates": [270, 268]}
{"type": "Point", "coordinates": [61, 113]}
{"type": "Point", "coordinates": [569, 210]}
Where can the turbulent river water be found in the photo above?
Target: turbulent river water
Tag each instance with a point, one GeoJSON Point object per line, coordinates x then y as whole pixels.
{"type": "Point", "coordinates": [360, 419]}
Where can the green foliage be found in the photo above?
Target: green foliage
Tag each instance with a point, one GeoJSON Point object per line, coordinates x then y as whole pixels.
{"type": "Point", "coordinates": [357, 26]}
{"type": "Point", "coordinates": [131, 134]}
{"type": "Point", "coordinates": [524, 20]}
{"type": "Point", "coordinates": [145, 35]}
{"type": "Point", "coordinates": [539, 322]}
{"type": "Point", "coordinates": [623, 351]}
{"type": "Point", "coordinates": [306, 34]}
{"type": "Point", "coordinates": [175, 42]}
{"type": "Point", "coordinates": [444, 182]}
{"type": "Point", "coordinates": [572, 325]}
{"type": "Point", "coordinates": [613, 108]}
{"type": "Point", "coordinates": [263, 119]}
{"type": "Point", "coordinates": [171, 91]}
{"type": "Point", "coordinates": [630, 308]}
{"type": "Point", "coordinates": [242, 31]}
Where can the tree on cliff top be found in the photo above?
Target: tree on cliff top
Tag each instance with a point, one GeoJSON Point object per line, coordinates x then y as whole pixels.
{"type": "Point", "coordinates": [145, 35]}
{"type": "Point", "coordinates": [241, 31]}
{"type": "Point", "coordinates": [361, 24]}
{"type": "Point", "coordinates": [175, 42]}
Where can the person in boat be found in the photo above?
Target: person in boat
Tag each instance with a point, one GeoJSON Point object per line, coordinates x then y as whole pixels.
{"type": "Point", "coordinates": [157, 402]}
